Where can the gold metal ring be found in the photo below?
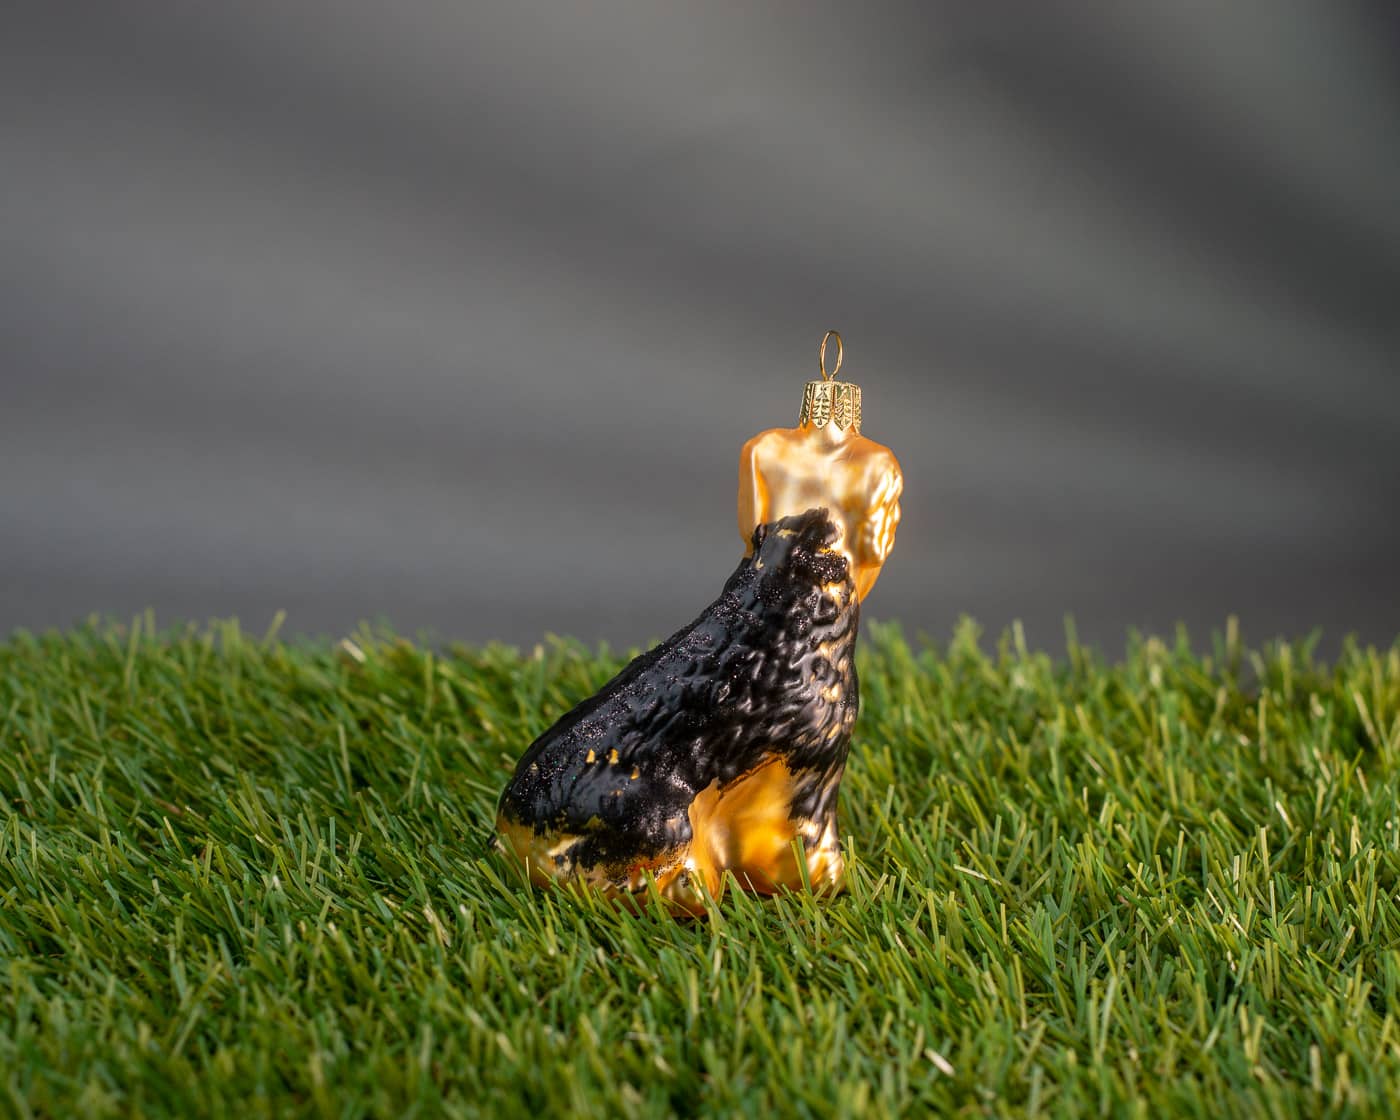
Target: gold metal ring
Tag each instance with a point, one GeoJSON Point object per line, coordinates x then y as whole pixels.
{"type": "Point", "coordinates": [840, 354]}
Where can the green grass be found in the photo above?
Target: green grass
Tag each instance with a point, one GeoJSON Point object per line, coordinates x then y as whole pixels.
{"type": "Point", "coordinates": [243, 877]}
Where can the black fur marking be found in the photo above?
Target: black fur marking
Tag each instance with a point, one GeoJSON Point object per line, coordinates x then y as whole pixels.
{"type": "Point", "coordinates": [743, 682]}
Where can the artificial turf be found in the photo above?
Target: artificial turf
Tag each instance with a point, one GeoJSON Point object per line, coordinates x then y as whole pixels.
{"type": "Point", "coordinates": [245, 877]}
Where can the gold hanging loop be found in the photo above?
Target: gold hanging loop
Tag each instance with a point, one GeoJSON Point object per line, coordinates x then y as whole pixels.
{"type": "Point", "coordinates": [840, 355]}
{"type": "Point", "coordinates": [828, 401]}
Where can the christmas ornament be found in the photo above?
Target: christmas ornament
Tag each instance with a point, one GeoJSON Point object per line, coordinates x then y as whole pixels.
{"type": "Point", "coordinates": [722, 749]}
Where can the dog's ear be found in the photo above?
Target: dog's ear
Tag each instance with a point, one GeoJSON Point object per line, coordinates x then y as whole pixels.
{"type": "Point", "coordinates": [813, 559]}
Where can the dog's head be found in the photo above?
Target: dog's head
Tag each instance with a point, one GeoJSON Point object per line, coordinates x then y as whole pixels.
{"type": "Point", "coordinates": [801, 547]}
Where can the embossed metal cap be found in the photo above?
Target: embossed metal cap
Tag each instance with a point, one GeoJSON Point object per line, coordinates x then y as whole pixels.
{"type": "Point", "coordinates": [829, 401]}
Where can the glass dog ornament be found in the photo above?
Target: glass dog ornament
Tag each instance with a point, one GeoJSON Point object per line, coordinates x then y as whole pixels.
{"type": "Point", "coordinates": [719, 748]}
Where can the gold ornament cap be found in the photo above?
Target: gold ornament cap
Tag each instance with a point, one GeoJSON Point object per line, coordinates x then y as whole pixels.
{"type": "Point", "coordinates": [829, 401]}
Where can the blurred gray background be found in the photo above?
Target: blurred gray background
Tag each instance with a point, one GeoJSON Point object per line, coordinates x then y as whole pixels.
{"type": "Point", "coordinates": [456, 315]}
